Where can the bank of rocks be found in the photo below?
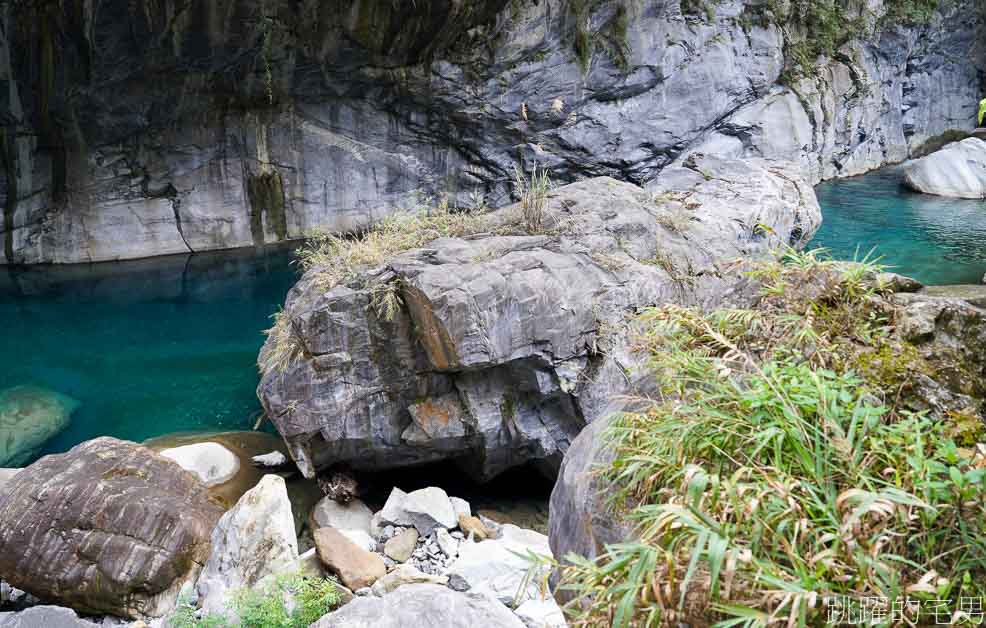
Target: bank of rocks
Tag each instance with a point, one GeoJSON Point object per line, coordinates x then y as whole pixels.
{"type": "Point", "coordinates": [133, 515]}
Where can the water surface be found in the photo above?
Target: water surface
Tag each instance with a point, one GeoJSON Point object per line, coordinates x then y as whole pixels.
{"type": "Point", "coordinates": [148, 347]}
{"type": "Point", "coordinates": [933, 239]}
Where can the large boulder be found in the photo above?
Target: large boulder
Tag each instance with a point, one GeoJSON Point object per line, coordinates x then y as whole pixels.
{"type": "Point", "coordinates": [254, 539]}
{"type": "Point", "coordinates": [421, 605]}
{"type": "Point", "coordinates": [109, 527]}
{"type": "Point", "coordinates": [497, 356]}
{"type": "Point", "coordinates": [29, 416]}
{"type": "Point", "coordinates": [957, 171]}
{"type": "Point", "coordinates": [582, 520]}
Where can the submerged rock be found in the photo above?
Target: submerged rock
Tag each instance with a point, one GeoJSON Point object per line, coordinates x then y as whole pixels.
{"type": "Point", "coordinates": [254, 539]}
{"type": "Point", "coordinates": [495, 359]}
{"type": "Point", "coordinates": [956, 171]}
{"type": "Point", "coordinates": [421, 605]}
{"type": "Point", "coordinates": [109, 527]}
{"type": "Point", "coordinates": [29, 416]}
{"type": "Point", "coordinates": [211, 462]}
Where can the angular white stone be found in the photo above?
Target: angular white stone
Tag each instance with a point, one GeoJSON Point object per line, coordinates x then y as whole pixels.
{"type": "Point", "coordinates": [254, 539]}
{"type": "Point", "coordinates": [273, 459]}
{"type": "Point", "coordinates": [461, 507]}
{"type": "Point", "coordinates": [429, 508]}
{"type": "Point", "coordinates": [498, 568]}
{"type": "Point", "coordinates": [448, 545]}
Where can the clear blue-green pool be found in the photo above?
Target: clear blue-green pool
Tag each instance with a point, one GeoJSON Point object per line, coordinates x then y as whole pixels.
{"type": "Point", "coordinates": [148, 347]}
{"type": "Point", "coordinates": [169, 344]}
{"type": "Point", "coordinates": [933, 239]}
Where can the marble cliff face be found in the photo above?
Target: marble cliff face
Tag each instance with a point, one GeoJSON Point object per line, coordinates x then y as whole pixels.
{"type": "Point", "coordinates": [132, 129]}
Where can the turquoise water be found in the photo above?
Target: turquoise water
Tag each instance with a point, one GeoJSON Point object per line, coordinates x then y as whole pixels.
{"type": "Point", "coordinates": [933, 239]}
{"type": "Point", "coordinates": [169, 344]}
{"type": "Point", "coordinates": [148, 347]}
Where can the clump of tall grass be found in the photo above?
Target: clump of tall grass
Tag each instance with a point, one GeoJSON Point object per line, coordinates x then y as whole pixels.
{"type": "Point", "coordinates": [533, 193]}
{"type": "Point", "coordinates": [338, 258]}
{"type": "Point", "coordinates": [769, 478]}
{"type": "Point", "coordinates": [331, 259]}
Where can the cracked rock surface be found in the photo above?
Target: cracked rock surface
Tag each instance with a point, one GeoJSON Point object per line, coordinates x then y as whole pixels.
{"type": "Point", "coordinates": [501, 352]}
{"type": "Point", "coordinates": [136, 128]}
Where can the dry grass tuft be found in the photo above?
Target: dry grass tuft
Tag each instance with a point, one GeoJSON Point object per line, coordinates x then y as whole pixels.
{"type": "Point", "coordinates": [533, 193]}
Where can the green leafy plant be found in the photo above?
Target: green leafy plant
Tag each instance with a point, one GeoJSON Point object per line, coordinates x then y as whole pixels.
{"type": "Point", "coordinates": [769, 475]}
{"type": "Point", "coordinates": [265, 606]}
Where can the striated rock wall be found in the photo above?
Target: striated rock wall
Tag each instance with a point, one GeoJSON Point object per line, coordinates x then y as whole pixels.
{"type": "Point", "coordinates": [141, 128]}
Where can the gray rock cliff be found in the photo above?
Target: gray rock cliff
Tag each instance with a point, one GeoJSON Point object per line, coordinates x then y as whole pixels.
{"type": "Point", "coordinates": [132, 129]}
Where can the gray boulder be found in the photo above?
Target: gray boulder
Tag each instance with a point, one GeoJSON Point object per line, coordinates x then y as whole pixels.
{"type": "Point", "coordinates": [421, 605]}
{"type": "Point", "coordinates": [503, 335]}
{"type": "Point", "coordinates": [44, 617]}
{"type": "Point", "coordinates": [29, 416]}
{"type": "Point", "coordinates": [957, 171]}
{"type": "Point", "coordinates": [254, 539]}
{"type": "Point", "coordinates": [109, 527]}
{"type": "Point", "coordinates": [581, 520]}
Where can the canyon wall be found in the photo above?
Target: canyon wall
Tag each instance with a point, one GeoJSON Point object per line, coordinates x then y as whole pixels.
{"type": "Point", "coordinates": [140, 128]}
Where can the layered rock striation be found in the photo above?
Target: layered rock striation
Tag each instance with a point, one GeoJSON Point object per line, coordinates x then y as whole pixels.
{"type": "Point", "coordinates": [132, 129]}
{"type": "Point", "coordinates": [109, 527]}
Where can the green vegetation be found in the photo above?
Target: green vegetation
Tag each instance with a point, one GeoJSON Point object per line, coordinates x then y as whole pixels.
{"type": "Point", "coordinates": [611, 37]}
{"type": "Point", "coordinates": [533, 193]}
{"type": "Point", "coordinates": [780, 466]}
{"type": "Point", "coordinates": [813, 28]}
{"type": "Point", "coordinates": [265, 607]}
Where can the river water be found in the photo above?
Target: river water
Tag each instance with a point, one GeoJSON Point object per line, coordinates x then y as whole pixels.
{"type": "Point", "coordinates": [169, 344]}
{"type": "Point", "coordinates": [933, 239]}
